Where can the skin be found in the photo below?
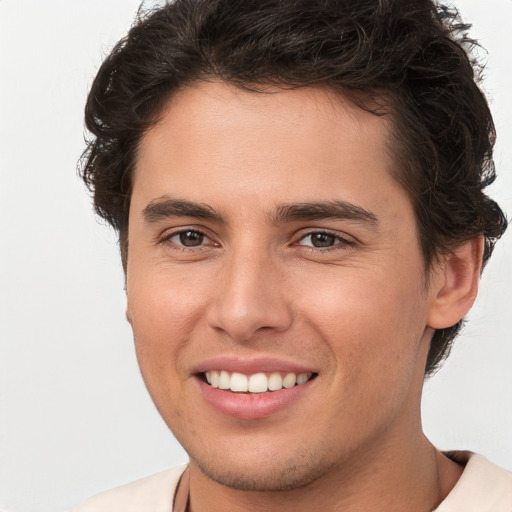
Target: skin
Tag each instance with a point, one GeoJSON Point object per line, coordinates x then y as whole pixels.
{"type": "Point", "coordinates": [359, 313]}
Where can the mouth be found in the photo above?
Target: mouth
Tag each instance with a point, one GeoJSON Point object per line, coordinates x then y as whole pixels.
{"type": "Point", "coordinates": [256, 383]}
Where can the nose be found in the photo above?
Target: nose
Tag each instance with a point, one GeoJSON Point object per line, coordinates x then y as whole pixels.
{"type": "Point", "coordinates": [250, 297]}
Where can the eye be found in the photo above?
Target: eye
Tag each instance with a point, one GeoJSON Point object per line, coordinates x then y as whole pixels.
{"type": "Point", "coordinates": [187, 238]}
{"type": "Point", "coordinates": [320, 240]}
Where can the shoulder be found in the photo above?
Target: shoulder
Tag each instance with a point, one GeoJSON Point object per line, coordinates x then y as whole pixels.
{"type": "Point", "coordinates": [154, 493]}
{"type": "Point", "coordinates": [483, 487]}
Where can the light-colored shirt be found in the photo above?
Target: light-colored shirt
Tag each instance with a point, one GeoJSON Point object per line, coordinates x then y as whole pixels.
{"type": "Point", "coordinates": [483, 487]}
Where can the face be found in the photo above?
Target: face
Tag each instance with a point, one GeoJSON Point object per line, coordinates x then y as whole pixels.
{"type": "Point", "coordinates": [276, 288]}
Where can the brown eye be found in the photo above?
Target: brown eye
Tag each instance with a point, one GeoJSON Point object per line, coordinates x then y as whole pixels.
{"type": "Point", "coordinates": [322, 240]}
{"type": "Point", "coordinates": [319, 240]}
{"type": "Point", "coordinates": [190, 238]}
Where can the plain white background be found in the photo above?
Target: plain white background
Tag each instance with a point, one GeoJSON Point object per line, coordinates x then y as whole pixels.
{"type": "Point", "coordinates": [74, 415]}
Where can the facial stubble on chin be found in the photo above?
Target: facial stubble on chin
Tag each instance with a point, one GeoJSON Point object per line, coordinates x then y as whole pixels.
{"type": "Point", "coordinates": [298, 472]}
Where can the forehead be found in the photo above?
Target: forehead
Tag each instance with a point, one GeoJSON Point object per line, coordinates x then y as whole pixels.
{"type": "Point", "coordinates": [214, 142]}
{"type": "Point", "coordinates": [210, 108]}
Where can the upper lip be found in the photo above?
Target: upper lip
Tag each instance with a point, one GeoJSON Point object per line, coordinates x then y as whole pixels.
{"type": "Point", "coordinates": [252, 366]}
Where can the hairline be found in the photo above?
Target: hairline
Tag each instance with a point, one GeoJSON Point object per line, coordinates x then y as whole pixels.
{"type": "Point", "coordinates": [382, 101]}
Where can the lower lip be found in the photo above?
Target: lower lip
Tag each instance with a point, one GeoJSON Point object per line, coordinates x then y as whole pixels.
{"type": "Point", "coordinates": [255, 406]}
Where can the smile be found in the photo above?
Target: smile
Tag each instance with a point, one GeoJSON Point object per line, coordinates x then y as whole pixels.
{"type": "Point", "coordinates": [255, 383]}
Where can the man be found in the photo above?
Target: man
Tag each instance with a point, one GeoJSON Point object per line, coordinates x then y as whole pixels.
{"type": "Point", "coordinates": [298, 188]}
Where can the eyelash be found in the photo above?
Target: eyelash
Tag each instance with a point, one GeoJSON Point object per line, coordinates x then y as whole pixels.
{"type": "Point", "coordinates": [167, 239]}
{"type": "Point", "coordinates": [341, 242]}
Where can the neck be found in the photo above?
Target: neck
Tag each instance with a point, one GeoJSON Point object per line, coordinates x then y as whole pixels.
{"type": "Point", "coordinates": [417, 478]}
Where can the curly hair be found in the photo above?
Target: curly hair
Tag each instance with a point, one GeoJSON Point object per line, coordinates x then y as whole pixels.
{"type": "Point", "coordinates": [410, 59]}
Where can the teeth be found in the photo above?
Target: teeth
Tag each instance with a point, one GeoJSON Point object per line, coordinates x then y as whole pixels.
{"type": "Point", "coordinates": [224, 380]}
{"type": "Point", "coordinates": [275, 382]}
{"type": "Point", "coordinates": [238, 382]}
{"type": "Point", "coordinates": [302, 378]}
{"type": "Point", "coordinates": [290, 380]}
{"type": "Point", "coordinates": [256, 383]}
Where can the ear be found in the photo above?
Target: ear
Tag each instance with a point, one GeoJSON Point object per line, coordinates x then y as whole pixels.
{"type": "Point", "coordinates": [454, 284]}
{"type": "Point", "coordinates": [128, 311]}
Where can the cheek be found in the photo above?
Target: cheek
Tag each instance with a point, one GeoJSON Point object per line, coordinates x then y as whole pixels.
{"type": "Point", "coordinates": [165, 304]}
{"type": "Point", "coordinates": [164, 312]}
{"type": "Point", "coordinates": [364, 304]}
{"type": "Point", "coordinates": [373, 328]}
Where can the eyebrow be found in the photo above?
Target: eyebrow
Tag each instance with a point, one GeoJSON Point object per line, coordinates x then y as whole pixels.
{"type": "Point", "coordinates": [165, 207]}
{"type": "Point", "coordinates": [324, 210]}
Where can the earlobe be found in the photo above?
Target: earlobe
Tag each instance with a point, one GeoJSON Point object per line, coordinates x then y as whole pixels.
{"type": "Point", "coordinates": [455, 285]}
{"type": "Point", "coordinates": [128, 315]}
{"type": "Point", "coordinates": [127, 308]}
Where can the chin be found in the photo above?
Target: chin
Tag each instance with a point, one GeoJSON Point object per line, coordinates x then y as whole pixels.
{"type": "Point", "coordinates": [265, 474]}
